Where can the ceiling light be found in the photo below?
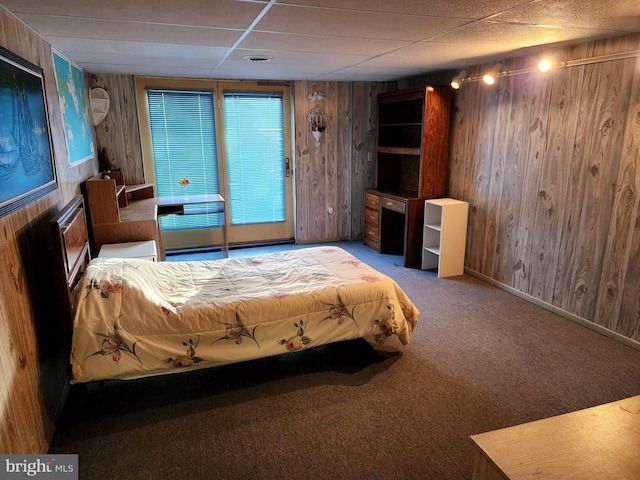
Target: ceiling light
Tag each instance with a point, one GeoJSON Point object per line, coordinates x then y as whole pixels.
{"type": "Point", "coordinates": [490, 77]}
{"type": "Point", "coordinates": [457, 80]}
{"type": "Point", "coordinates": [258, 58]}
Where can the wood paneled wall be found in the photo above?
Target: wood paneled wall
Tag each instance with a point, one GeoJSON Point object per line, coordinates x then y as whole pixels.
{"type": "Point", "coordinates": [32, 370]}
{"type": "Point", "coordinates": [550, 166]}
{"type": "Point", "coordinates": [333, 174]}
{"type": "Point", "coordinates": [118, 135]}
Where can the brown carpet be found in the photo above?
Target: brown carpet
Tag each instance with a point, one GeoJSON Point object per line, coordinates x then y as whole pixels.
{"type": "Point", "coordinates": [480, 359]}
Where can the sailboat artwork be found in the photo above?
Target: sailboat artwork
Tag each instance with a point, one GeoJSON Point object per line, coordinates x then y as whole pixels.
{"type": "Point", "coordinates": [26, 166]}
{"type": "Point", "coordinates": [21, 146]}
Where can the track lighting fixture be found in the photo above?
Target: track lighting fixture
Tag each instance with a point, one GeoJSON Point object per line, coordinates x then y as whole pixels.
{"type": "Point", "coordinates": [544, 65]}
{"type": "Point", "coordinates": [490, 77]}
{"type": "Point", "coordinates": [456, 81]}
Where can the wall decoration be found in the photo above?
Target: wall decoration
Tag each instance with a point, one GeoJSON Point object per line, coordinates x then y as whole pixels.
{"type": "Point", "coordinates": [26, 162]}
{"type": "Point", "coordinates": [316, 121]}
{"type": "Point", "coordinates": [99, 102]}
{"type": "Point", "coordinates": [316, 96]}
{"type": "Point", "coordinates": [73, 105]}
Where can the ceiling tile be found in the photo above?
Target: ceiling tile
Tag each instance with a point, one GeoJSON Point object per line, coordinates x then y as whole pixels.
{"type": "Point", "coordinates": [621, 15]}
{"type": "Point", "coordinates": [133, 31]}
{"type": "Point", "coordinates": [296, 58]}
{"type": "Point", "coordinates": [319, 44]}
{"type": "Point", "coordinates": [161, 50]}
{"type": "Point", "coordinates": [204, 13]}
{"type": "Point", "coordinates": [92, 58]}
{"type": "Point", "coordinates": [474, 9]}
{"type": "Point", "coordinates": [164, 70]}
{"type": "Point", "coordinates": [514, 36]}
{"type": "Point", "coordinates": [434, 56]}
{"type": "Point", "coordinates": [346, 23]}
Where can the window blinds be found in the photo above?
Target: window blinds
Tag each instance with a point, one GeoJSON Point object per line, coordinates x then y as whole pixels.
{"type": "Point", "coordinates": [254, 135]}
{"type": "Point", "coordinates": [184, 146]}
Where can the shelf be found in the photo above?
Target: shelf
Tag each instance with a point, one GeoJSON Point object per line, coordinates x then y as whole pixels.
{"type": "Point", "coordinates": [399, 150]}
{"type": "Point", "coordinates": [135, 188]}
{"type": "Point", "coordinates": [401, 124]}
{"type": "Point", "coordinates": [444, 239]}
{"type": "Point", "coordinates": [140, 191]}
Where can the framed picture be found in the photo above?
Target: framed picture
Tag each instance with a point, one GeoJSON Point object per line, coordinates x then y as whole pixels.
{"type": "Point", "coordinates": [26, 161]}
{"type": "Point", "coordinates": [73, 105]}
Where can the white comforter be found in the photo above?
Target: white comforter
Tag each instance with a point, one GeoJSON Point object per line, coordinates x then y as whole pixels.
{"type": "Point", "coordinates": [136, 318]}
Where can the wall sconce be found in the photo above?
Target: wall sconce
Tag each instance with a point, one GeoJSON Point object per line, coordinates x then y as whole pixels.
{"type": "Point", "coordinates": [457, 80]}
{"type": "Point", "coordinates": [316, 120]}
{"type": "Point", "coordinates": [490, 77]}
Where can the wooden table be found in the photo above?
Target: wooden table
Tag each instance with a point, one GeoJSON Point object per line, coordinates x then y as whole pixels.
{"type": "Point", "coordinates": [598, 443]}
{"type": "Point", "coordinates": [175, 206]}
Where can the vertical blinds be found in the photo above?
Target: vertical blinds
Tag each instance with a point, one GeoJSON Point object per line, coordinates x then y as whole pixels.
{"type": "Point", "coordinates": [254, 135]}
{"type": "Point", "coordinates": [184, 146]}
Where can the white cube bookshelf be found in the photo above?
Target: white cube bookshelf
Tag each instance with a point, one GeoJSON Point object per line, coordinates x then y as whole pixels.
{"type": "Point", "coordinates": [445, 236]}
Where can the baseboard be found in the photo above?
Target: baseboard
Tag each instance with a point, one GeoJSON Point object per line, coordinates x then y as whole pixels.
{"type": "Point", "coordinates": [234, 246]}
{"type": "Point", "coordinates": [558, 311]}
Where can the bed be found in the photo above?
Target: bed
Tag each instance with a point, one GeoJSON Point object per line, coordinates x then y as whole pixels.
{"type": "Point", "coordinates": [133, 318]}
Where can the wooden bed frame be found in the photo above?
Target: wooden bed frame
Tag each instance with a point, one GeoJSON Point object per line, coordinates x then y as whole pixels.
{"type": "Point", "coordinates": [71, 255]}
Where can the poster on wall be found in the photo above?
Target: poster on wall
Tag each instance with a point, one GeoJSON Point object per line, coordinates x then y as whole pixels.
{"type": "Point", "coordinates": [26, 162]}
{"type": "Point", "coordinates": [73, 105]}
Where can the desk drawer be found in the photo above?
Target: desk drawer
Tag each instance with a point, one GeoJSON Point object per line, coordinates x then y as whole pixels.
{"type": "Point", "coordinates": [372, 233]}
{"type": "Point", "coordinates": [395, 205]}
{"type": "Point", "coordinates": [371, 217]}
{"type": "Point", "coordinates": [371, 201]}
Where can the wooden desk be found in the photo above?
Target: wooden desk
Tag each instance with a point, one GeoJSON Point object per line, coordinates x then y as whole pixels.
{"type": "Point", "coordinates": [175, 206]}
{"type": "Point", "coordinates": [597, 443]}
{"type": "Point", "coordinates": [393, 224]}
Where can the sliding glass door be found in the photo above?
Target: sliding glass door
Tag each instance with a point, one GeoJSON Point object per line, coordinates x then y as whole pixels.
{"type": "Point", "coordinates": [226, 138]}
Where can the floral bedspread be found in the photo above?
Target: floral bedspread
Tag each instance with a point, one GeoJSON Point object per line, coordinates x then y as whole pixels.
{"type": "Point", "coordinates": [136, 318]}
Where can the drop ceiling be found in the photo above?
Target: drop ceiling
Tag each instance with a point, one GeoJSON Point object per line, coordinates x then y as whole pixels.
{"type": "Point", "coordinates": [336, 40]}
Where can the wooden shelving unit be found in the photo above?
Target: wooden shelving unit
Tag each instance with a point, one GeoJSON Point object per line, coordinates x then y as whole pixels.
{"type": "Point", "coordinates": [411, 166]}
{"type": "Point", "coordinates": [116, 217]}
{"type": "Point", "coordinates": [444, 236]}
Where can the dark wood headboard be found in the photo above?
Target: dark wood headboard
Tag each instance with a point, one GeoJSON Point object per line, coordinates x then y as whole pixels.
{"type": "Point", "coordinates": [71, 255]}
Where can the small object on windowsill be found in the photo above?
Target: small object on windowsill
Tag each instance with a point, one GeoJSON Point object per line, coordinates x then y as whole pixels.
{"type": "Point", "coordinates": [184, 181]}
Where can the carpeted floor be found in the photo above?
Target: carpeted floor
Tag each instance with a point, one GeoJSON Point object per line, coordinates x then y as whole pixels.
{"type": "Point", "coordinates": [480, 359]}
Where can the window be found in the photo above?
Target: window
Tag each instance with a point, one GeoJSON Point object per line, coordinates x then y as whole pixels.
{"type": "Point", "coordinates": [184, 146]}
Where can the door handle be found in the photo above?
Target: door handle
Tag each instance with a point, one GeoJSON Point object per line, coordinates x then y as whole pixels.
{"type": "Point", "coordinates": [287, 167]}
